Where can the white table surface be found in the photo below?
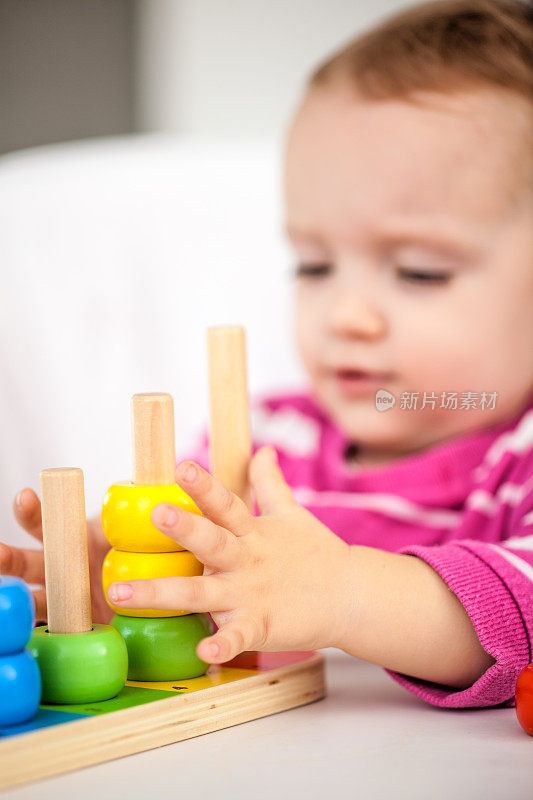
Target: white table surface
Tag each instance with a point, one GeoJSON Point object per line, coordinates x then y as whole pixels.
{"type": "Point", "coordinates": [369, 738]}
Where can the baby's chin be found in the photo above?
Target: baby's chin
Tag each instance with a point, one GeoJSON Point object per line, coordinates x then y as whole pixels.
{"type": "Point", "coordinates": [379, 428]}
{"type": "Point", "coordinates": [395, 432]}
{"type": "Point", "coordinates": [361, 421]}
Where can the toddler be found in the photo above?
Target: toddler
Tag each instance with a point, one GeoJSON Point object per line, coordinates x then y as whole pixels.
{"type": "Point", "coordinates": [395, 494]}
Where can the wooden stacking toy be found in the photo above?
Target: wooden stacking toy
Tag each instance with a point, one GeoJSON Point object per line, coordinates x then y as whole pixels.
{"type": "Point", "coordinates": [20, 681]}
{"type": "Point", "coordinates": [79, 662]}
{"type": "Point", "coordinates": [161, 644]}
{"type": "Point", "coordinates": [148, 714]}
{"type": "Point", "coordinates": [230, 441]}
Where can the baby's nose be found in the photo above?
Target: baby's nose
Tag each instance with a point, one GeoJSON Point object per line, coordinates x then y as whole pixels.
{"type": "Point", "coordinates": [353, 315]}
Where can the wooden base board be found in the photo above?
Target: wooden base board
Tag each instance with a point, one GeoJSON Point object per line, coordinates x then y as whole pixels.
{"type": "Point", "coordinates": [253, 685]}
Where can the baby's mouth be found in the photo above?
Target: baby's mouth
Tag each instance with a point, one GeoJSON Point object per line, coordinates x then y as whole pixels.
{"type": "Point", "coordinates": [357, 382]}
{"type": "Point", "coordinates": [353, 372]}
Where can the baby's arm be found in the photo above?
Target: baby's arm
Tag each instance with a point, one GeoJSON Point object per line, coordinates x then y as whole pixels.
{"type": "Point", "coordinates": [409, 621]}
{"type": "Point", "coordinates": [284, 581]}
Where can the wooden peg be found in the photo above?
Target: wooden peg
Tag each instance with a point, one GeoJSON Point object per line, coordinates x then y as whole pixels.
{"type": "Point", "coordinates": [230, 438]}
{"type": "Point", "coordinates": [154, 448]}
{"type": "Point", "coordinates": [66, 561]}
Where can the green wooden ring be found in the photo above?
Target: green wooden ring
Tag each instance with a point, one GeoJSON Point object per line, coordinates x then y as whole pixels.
{"type": "Point", "coordinates": [80, 667]}
{"type": "Point", "coordinates": [164, 648]}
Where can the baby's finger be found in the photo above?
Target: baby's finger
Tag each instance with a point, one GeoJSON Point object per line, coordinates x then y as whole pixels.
{"type": "Point", "coordinates": [214, 500]}
{"type": "Point", "coordinates": [215, 547]}
{"type": "Point", "coordinates": [24, 563]}
{"type": "Point", "coordinates": [39, 598]}
{"type": "Point", "coordinates": [194, 595]}
{"type": "Point", "coordinates": [272, 493]}
{"type": "Point", "coordinates": [235, 637]}
{"type": "Point", "coordinates": [27, 510]}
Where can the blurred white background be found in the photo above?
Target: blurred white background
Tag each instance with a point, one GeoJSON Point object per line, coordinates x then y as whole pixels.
{"type": "Point", "coordinates": [236, 68]}
{"type": "Point", "coordinates": [117, 252]}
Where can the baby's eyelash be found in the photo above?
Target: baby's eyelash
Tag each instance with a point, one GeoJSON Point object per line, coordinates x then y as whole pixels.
{"type": "Point", "coordinates": [312, 270]}
{"type": "Point", "coordinates": [422, 277]}
{"type": "Point", "coordinates": [406, 274]}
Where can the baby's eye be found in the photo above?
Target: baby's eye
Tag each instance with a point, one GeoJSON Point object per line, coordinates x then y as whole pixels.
{"type": "Point", "coordinates": [312, 270]}
{"type": "Point", "coordinates": [423, 277]}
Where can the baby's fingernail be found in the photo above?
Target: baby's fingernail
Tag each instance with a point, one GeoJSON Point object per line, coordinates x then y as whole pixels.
{"type": "Point", "coordinates": [120, 591]}
{"type": "Point", "coordinates": [166, 516]}
{"type": "Point", "coordinates": [213, 650]}
{"type": "Point", "coordinates": [189, 473]}
{"type": "Point", "coordinates": [18, 499]}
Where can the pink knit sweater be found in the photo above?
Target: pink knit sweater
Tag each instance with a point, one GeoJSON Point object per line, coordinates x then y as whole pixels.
{"type": "Point", "coordinates": [465, 507]}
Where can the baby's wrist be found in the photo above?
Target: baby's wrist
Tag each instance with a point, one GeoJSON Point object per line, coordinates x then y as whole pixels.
{"type": "Point", "coordinates": [342, 609]}
{"type": "Point", "coordinates": [367, 594]}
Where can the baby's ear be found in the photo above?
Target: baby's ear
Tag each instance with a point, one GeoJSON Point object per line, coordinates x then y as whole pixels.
{"type": "Point", "coordinates": [272, 493]}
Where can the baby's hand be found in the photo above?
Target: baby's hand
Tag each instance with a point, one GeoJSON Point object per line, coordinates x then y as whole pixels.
{"type": "Point", "coordinates": [280, 581]}
{"type": "Point", "coordinates": [28, 564]}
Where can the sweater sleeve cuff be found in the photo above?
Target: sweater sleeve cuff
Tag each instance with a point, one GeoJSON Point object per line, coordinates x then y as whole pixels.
{"type": "Point", "coordinates": [496, 617]}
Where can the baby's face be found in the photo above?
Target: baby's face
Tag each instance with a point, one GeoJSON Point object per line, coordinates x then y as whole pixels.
{"type": "Point", "coordinates": [413, 230]}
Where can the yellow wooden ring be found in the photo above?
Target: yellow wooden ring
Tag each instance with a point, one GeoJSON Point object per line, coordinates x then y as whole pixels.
{"type": "Point", "coordinates": [126, 516]}
{"type": "Point", "coordinates": [121, 566]}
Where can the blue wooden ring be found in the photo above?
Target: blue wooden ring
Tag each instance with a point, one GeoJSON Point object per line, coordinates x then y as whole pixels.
{"type": "Point", "coordinates": [16, 615]}
{"type": "Point", "coordinates": [20, 688]}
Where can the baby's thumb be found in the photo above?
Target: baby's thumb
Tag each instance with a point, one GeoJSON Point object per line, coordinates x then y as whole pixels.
{"type": "Point", "coordinates": [272, 494]}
